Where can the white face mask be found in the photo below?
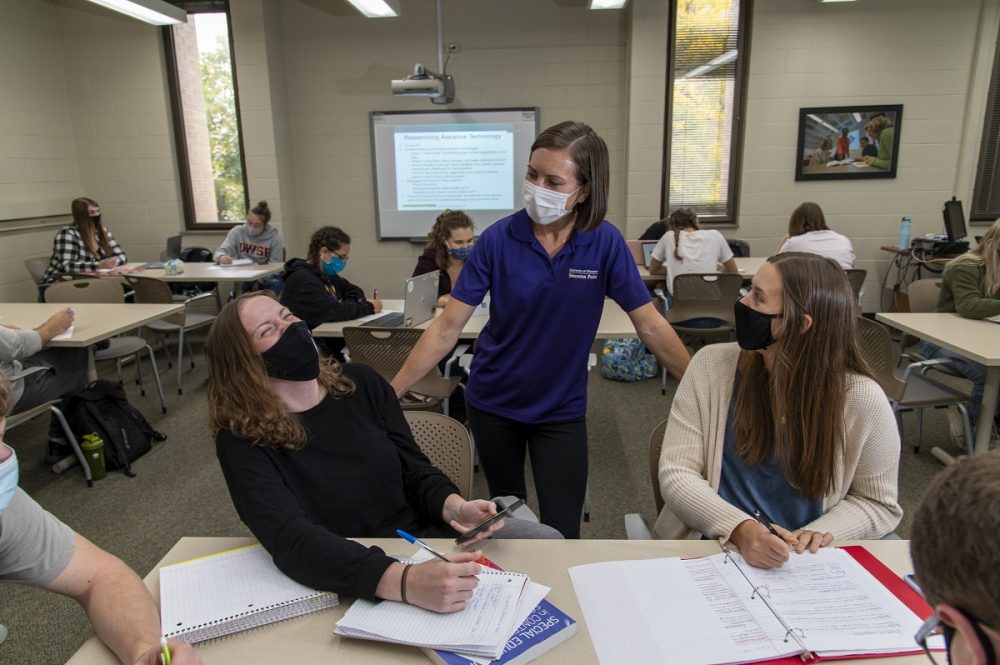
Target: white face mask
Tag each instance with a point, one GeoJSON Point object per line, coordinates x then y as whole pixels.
{"type": "Point", "coordinates": [254, 233]}
{"type": "Point", "coordinates": [545, 206]}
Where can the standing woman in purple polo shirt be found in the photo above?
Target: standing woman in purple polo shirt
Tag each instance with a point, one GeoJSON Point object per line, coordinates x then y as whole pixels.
{"type": "Point", "coordinates": [547, 268]}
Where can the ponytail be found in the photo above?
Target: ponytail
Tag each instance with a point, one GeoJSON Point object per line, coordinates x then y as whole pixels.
{"type": "Point", "coordinates": [682, 218]}
{"type": "Point", "coordinates": [677, 245]}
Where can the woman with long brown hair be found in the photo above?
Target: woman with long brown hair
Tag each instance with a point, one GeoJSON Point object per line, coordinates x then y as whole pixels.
{"type": "Point", "coordinates": [448, 246]}
{"type": "Point", "coordinates": [688, 248]}
{"type": "Point", "coordinates": [314, 453]}
{"type": "Point", "coordinates": [787, 424]}
{"type": "Point", "coordinates": [85, 245]}
{"type": "Point", "coordinates": [808, 232]}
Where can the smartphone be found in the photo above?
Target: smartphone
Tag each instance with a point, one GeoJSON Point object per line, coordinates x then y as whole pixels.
{"type": "Point", "coordinates": [912, 581]}
{"type": "Point", "coordinates": [502, 511]}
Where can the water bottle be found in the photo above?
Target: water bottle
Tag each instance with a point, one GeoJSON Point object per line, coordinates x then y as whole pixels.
{"type": "Point", "coordinates": [93, 451]}
{"type": "Point", "coordinates": [904, 233]}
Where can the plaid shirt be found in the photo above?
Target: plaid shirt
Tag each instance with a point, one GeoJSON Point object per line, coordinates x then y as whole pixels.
{"type": "Point", "coordinates": [69, 254]}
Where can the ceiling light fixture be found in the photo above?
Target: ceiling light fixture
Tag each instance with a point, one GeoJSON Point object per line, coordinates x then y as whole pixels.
{"type": "Point", "coordinates": [607, 4]}
{"type": "Point", "coordinates": [154, 12]}
{"type": "Point", "coordinates": [377, 8]}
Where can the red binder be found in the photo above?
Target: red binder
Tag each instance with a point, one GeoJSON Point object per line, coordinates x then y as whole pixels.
{"type": "Point", "coordinates": [890, 581]}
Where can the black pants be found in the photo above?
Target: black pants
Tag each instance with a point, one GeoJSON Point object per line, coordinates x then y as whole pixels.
{"type": "Point", "coordinates": [558, 463]}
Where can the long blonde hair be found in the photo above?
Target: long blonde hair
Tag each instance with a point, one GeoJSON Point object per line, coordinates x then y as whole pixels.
{"type": "Point", "coordinates": [801, 400]}
{"type": "Point", "coordinates": [986, 253]}
{"type": "Point", "coordinates": [239, 391]}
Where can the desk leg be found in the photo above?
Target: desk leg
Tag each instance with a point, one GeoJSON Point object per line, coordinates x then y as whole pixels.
{"type": "Point", "coordinates": [91, 365]}
{"type": "Point", "coordinates": [987, 409]}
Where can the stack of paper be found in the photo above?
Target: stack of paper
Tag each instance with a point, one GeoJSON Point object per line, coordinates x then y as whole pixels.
{"type": "Point", "coordinates": [499, 604]}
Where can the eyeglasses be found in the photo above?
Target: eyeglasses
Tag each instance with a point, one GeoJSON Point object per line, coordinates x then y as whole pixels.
{"type": "Point", "coordinates": [934, 624]}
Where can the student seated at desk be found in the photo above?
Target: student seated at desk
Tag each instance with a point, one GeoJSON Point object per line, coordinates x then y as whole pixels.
{"type": "Point", "coordinates": [314, 453]}
{"type": "Point", "coordinates": [37, 549]}
{"type": "Point", "coordinates": [85, 245]}
{"type": "Point", "coordinates": [689, 248]}
{"type": "Point", "coordinates": [753, 427]}
{"type": "Point", "coordinates": [256, 240]}
{"type": "Point", "coordinates": [656, 230]}
{"type": "Point", "coordinates": [954, 540]}
{"type": "Point", "coordinates": [808, 232]}
{"type": "Point", "coordinates": [448, 245]}
{"type": "Point", "coordinates": [971, 287]}
{"type": "Point", "coordinates": [314, 289]}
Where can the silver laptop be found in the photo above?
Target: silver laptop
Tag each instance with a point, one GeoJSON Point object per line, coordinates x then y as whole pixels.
{"type": "Point", "coordinates": [647, 251]}
{"type": "Point", "coordinates": [421, 299]}
{"type": "Point", "coordinates": [173, 251]}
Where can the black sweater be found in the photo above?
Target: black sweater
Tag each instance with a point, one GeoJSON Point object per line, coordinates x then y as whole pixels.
{"type": "Point", "coordinates": [316, 298]}
{"type": "Point", "coordinates": [359, 474]}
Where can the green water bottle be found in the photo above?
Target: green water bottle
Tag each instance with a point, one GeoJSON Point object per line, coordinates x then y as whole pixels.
{"type": "Point", "coordinates": [93, 452]}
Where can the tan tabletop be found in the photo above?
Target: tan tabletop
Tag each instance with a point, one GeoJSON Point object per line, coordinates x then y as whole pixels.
{"type": "Point", "coordinates": [976, 340]}
{"type": "Point", "coordinates": [94, 322]}
{"type": "Point", "coordinates": [209, 272]}
{"type": "Point", "coordinates": [747, 266]}
{"type": "Point", "coordinates": [309, 639]}
{"type": "Point", "coordinates": [614, 323]}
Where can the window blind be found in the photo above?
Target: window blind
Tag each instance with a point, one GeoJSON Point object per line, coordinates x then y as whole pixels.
{"type": "Point", "coordinates": [986, 190]}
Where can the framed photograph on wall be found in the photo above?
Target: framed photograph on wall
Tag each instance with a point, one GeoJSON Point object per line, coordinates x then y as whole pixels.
{"type": "Point", "coordinates": [848, 142]}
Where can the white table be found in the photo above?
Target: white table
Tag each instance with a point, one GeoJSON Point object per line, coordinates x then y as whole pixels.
{"type": "Point", "coordinates": [94, 321]}
{"type": "Point", "coordinates": [310, 640]}
{"type": "Point", "coordinates": [747, 266]}
{"type": "Point", "coordinates": [975, 340]}
{"type": "Point", "coordinates": [614, 323]}
{"type": "Point", "coordinates": [210, 272]}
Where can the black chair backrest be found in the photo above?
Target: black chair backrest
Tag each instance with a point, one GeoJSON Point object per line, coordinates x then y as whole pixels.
{"type": "Point", "coordinates": [196, 255]}
{"type": "Point", "coordinates": [740, 248]}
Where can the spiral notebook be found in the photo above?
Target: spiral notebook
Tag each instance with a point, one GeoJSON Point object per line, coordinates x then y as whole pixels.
{"type": "Point", "coordinates": [229, 592]}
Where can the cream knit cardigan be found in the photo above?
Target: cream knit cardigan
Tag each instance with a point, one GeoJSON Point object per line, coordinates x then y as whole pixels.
{"type": "Point", "coordinates": [862, 504]}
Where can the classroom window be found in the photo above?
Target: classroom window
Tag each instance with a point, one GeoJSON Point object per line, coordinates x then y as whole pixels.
{"type": "Point", "coordinates": [986, 190]}
{"type": "Point", "coordinates": [707, 62]}
{"type": "Point", "coordinates": [206, 118]}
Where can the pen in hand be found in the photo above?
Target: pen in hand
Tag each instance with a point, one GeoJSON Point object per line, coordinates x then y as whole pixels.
{"type": "Point", "coordinates": [165, 651]}
{"type": "Point", "coordinates": [416, 541]}
{"type": "Point", "coordinates": [766, 521]}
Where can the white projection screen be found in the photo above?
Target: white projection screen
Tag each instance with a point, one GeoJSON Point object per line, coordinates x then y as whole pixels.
{"type": "Point", "coordinates": [427, 161]}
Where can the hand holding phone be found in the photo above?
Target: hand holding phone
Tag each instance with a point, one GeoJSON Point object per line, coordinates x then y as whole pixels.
{"type": "Point", "coordinates": [502, 511]}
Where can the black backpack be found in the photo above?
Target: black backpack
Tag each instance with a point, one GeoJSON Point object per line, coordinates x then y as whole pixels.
{"type": "Point", "coordinates": [103, 409]}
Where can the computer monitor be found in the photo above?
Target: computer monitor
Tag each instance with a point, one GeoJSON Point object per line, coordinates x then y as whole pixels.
{"type": "Point", "coordinates": [954, 220]}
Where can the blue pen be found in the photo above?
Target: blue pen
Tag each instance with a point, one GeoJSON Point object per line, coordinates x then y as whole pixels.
{"type": "Point", "coordinates": [416, 541]}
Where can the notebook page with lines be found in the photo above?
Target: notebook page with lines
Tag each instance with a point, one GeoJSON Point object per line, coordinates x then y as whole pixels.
{"type": "Point", "coordinates": [229, 592]}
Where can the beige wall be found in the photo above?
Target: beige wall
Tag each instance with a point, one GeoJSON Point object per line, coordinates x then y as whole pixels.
{"type": "Point", "coordinates": [92, 116]}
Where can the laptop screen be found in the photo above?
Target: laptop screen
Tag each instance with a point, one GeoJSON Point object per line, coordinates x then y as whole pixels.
{"type": "Point", "coordinates": [647, 251]}
{"type": "Point", "coordinates": [173, 248]}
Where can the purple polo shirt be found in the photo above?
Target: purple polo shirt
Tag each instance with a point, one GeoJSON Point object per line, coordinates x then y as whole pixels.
{"type": "Point", "coordinates": [531, 359]}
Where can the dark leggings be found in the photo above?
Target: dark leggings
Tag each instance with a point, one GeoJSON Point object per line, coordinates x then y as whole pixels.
{"type": "Point", "coordinates": [558, 463]}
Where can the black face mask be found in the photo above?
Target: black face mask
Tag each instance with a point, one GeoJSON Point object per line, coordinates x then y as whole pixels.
{"type": "Point", "coordinates": [96, 219]}
{"type": "Point", "coordinates": [753, 328]}
{"type": "Point", "coordinates": [294, 356]}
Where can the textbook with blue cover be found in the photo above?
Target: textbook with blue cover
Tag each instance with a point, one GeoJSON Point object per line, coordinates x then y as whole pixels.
{"type": "Point", "coordinates": [546, 627]}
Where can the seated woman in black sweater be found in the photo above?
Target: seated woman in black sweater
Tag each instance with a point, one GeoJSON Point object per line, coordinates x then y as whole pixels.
{"type": "Point", "coordinates": [314, 289]}
{"type": "Point", "coordinates": [314, 453]}
{"type": "Point", "coordinates": [448, 245]}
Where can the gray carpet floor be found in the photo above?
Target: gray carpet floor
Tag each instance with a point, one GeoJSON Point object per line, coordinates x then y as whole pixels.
{"type": "Point", "coordinates": [179, 491]}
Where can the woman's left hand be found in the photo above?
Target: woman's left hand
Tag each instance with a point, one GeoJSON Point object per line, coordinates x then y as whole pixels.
{"type": "Point", "coordinates": [471, 513]}
{"type": "Point", "coordinates": [811, 540]}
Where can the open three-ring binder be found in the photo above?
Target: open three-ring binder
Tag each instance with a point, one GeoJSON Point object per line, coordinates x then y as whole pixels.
{"type": "Point", "coordinates": [837, 603]}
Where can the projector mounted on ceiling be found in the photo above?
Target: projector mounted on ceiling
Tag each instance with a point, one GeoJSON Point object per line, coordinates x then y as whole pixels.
{"type": "Point", "coordinates": [425, 83]}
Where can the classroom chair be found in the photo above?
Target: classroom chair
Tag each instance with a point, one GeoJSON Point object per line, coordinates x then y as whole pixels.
{"type": "Point", "coordinates": [739, 248]}
{"type": "Point", "coordinates": [446, 443]}
{"type": "Point", "coordinates": [385, 350]}
{"type": "Point", "coordinates": [52, 407]}
{"type": "Point", "coordinates": [923, 296]}
{"type": "Point", "coordinates": [120, 347]}
{"type": "Point", "coordinates": [636, 527]}
{"type": "Point", "coordinates": [152, 290]}
{"type": "Point", "coordinates": [910, 388]}
{"type": "Point", "coordinates": [703, 295]}
{"type": "Point", "coordinates": [36, 266]}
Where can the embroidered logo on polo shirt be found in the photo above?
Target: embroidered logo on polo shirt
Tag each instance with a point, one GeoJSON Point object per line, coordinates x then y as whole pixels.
{"type": "Point", "coordinates": [580, 273]}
